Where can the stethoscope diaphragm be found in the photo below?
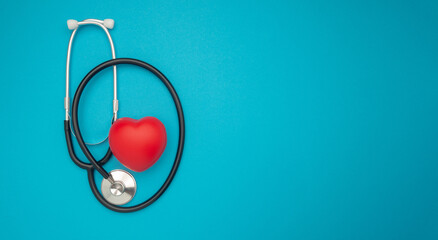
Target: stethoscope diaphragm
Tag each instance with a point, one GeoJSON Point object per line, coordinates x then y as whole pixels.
{"type": "Point", "coordinates": [121, 190]}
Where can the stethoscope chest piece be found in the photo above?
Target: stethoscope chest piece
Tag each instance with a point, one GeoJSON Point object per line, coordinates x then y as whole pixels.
{"type": "Point", "coordinates": [122, 190]}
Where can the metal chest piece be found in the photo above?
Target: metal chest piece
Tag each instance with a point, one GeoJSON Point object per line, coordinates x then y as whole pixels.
{"type": "Point", "coordinates": [122, 190]}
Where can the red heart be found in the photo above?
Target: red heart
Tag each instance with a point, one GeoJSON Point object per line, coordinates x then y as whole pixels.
{"type": "Point", "coordinates": [137, 144]}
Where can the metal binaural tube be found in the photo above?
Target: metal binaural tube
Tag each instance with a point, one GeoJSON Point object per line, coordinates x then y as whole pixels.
{"type": "Point", "coordinates": [67, 74]}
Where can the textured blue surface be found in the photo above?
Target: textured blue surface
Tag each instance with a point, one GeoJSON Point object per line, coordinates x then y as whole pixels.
{"type": "Point", "coordinates": [305, 120]}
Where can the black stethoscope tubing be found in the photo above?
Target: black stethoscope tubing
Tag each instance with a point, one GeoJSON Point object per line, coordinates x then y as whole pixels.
{"type": "Point", "coordinates": [98, 165]}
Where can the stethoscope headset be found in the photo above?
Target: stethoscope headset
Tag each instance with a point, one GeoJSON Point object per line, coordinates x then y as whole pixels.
{"type": "Point", "coordinates": [118, 186]}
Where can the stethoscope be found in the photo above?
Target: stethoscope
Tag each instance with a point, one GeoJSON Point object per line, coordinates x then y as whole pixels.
{"type": "Point", "coordinates": [118, 187]}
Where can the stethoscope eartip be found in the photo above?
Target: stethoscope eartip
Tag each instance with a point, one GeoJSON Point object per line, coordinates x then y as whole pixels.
{"type": "Point", "coordinates": [72, 24]}
{"type": "Point", "coordinates": [108, 23]}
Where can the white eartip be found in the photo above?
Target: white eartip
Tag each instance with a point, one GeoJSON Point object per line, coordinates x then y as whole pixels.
{"type": "Point", "coordinates": [72, 24]}
{"type": "Point", "coordinates": [108, 23]}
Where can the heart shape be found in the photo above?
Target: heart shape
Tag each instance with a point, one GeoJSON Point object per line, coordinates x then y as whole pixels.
{"type": "Point", "coordinates": [137, 144]}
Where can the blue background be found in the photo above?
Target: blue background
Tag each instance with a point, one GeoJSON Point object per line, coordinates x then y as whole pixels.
{"type": "Point", "coordinates": [305, 120]}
